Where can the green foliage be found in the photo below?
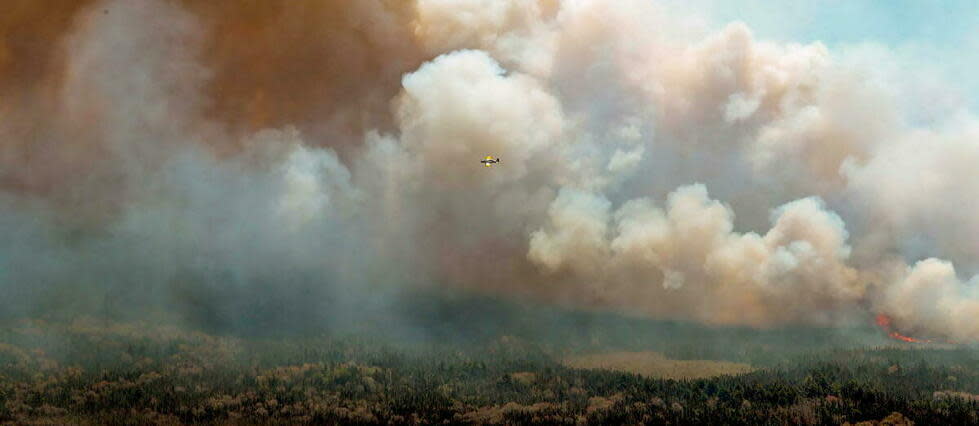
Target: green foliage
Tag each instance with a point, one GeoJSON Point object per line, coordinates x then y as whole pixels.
{"type": "Point", "coordinates": [97, 373]}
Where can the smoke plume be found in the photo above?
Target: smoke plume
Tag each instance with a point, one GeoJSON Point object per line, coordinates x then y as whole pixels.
{"type": "Point", "coordinates": [316, 159]}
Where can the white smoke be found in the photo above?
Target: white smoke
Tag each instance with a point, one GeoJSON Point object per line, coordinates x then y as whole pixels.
{"type": "Point", "coordinates": [920, 191]}
{"type": "Point", "coordinates": [765, 125]}
{"type": "Point", "coordinates": [686, 260]}
{"type": "Point", "coordinates": [648, 165]}
{"type": "Point", "coordinates": [930, 297]}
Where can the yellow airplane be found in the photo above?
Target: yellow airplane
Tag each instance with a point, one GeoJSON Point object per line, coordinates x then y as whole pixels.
{"type": "Point", "coordinates": [489, 161]}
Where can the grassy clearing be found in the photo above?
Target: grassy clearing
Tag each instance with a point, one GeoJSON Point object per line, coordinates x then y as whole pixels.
{"type": "Point", "coordinates": [657, 366]}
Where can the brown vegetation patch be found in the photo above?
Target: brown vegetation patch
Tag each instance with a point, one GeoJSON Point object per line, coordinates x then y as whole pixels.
{"type": "Point", "coordinates": [953, 394]}
{"type": "Point", "coordinates": [598, 403]}
{"type": "Point", "coordinates": [542, 412]}
{"type": "Point", "coordinates": [525, 378]}
{"type": "Point", "coordinates": [894, 419]}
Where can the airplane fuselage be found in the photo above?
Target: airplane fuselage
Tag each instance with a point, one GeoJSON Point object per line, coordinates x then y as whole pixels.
{"type": "Point", "coordinates": [489, 161]}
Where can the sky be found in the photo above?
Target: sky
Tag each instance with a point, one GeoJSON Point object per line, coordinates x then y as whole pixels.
{"type": "Point", "coordinates": [943, 33]}
{"type": "Point", "coordinates": [837, 22]}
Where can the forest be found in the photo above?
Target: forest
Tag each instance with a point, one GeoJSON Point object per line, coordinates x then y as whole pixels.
{"type": "Point", "coordinates": [484, 370]}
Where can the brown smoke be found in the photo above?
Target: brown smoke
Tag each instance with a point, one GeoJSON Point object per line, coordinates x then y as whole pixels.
{"type": "Point", "coordinates": [270, 64]}
{"type": "Point", "coordinates": [647, 166]}
{"type": "Point", "coordinates": [298, 62]}
{"type": "Point", "coordinates": [32, 67]}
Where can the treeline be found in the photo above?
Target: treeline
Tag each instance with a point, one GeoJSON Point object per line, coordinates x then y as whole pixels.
{"type": "Point", "coordinates": [97, 373]}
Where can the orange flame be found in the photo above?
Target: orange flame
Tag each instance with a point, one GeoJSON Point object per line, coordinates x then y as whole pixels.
{"type": "Point", "coordinates": [884, 322]}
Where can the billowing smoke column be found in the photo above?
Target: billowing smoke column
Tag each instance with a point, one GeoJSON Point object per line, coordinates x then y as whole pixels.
{"type": "Point", "coordinates": [215, 155]}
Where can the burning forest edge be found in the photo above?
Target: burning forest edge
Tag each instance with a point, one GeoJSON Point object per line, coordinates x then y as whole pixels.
{"type": "Point", "coordinates": [94, 371]}
{"type": "Point", "coordinates": [884, 322]}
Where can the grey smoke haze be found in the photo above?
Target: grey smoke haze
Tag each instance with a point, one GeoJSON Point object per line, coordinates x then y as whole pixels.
{"type": "Point", "coordinates": [650, 165]}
